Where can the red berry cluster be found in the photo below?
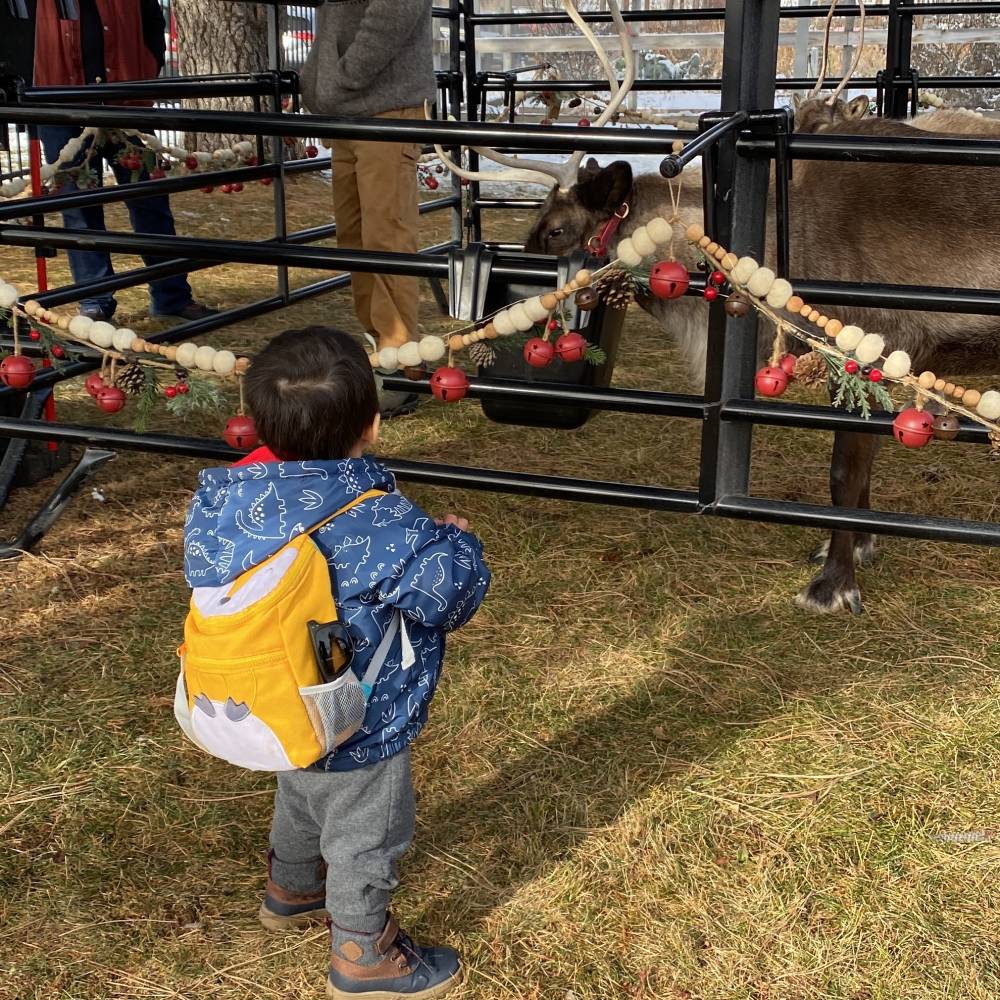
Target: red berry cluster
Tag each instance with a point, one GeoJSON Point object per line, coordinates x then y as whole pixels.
{"type": "Point", "coordinates": [178, 388]}
{"type": "Point", "coordinates": [872, 374]}
{"type": "Point", "coordinates": [715, 281]}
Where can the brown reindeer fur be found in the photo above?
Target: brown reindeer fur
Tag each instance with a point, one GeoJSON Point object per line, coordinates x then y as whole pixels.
{"type": "Point", "coordinates": [907, 224]}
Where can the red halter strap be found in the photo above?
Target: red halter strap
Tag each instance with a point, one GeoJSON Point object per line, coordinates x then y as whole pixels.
{"type": "Point", "coordinates": [598, 245]}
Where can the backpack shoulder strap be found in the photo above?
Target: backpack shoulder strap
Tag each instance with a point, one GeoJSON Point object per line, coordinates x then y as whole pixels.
{"type": "Point", "coordinates": [381, 653]}
{"type": "Point", "coordinates": [348, 506]}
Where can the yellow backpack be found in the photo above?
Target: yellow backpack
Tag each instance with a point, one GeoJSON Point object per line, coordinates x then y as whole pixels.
{"type": "Point", "coordinates": [251, 688]}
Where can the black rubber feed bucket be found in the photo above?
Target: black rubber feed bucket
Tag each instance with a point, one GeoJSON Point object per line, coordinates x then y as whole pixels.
{"type": "Point", "coordinates": [601, 326]}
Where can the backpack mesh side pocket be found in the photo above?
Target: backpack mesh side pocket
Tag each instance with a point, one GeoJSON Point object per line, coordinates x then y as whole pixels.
{"type": "Point", "coordinates": [336, 710]}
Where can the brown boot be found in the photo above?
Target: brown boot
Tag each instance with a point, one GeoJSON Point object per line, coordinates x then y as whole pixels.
{"type": "Point", "coordinates": [388, 966]}
{"type": "Point", "coordinates": [283, 910]}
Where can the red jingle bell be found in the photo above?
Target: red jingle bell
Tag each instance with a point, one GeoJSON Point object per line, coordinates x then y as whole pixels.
{"type": "Point", "coordinates": [668, 280]}
{"type": "Point", "coordinates": [913, 428]}
{"type": "Point", "coordinates": [240, 432]}
{"type": "Point", "coordinates": [717, 278]}
{"type": "Point", "coordinates": [771, 381]}
{"type": "Point", "coordinates": [449, 384]}
{"type": "Point", "coordinates": [787, 365]}
{"type": "Point", "coordinates": [572, 346]}
{"type": "Point", "coordinates": [94, 384]}
{"type": "Point", "coordinates": [538, 353]}
{"type": "Point", "coordinates": [17, 371]}
{"type": "Point", "coordinates": [710, 294]}
{"type": "Point", "coordinates": [110, 399]}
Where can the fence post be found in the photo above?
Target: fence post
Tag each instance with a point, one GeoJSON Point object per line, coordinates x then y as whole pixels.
{"type": "Point", "coordinates": [475, 220]}
{"type": "Point", "coordinates": [749, 61]}
{"type": "Point", "coordinates": [898, 72]}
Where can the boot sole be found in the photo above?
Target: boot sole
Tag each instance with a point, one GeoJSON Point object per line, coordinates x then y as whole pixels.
{"type": "Point", "coordinates": [299, 921]}
{"type": "Point", "coordinates": [435, 991]}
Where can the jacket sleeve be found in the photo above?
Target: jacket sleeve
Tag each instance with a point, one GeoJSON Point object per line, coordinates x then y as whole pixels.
{"type": "Point", "coordinates": [441, 579]}
{"type": "Point", "coordinates": [154, 27]}
{"type": "Point", "coordinates": [386, 28]}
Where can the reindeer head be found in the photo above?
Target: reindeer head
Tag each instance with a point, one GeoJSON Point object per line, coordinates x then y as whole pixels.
{"type": "Point", "coordinates": [568, 219]}
{"type": "Point", "coordinates": [565, 176]}
{"type": "Point", "coordinates": [817, 114]}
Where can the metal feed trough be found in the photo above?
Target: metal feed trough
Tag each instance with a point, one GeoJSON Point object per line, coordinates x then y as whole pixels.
{"type": "Point", "coordinates": [742, 139]}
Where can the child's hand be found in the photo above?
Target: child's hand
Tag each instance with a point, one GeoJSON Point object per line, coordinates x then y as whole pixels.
{"type": "Point", "coordinates": [460, 522]}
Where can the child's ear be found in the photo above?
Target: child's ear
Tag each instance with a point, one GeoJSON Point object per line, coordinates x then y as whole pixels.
{"type": "Point", "coordinates": [371, 435]}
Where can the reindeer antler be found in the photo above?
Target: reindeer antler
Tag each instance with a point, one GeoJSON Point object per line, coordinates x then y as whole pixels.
{"type": "Point", "coordinates": [539, 171]}
{"type": "Point", "coordinates": [832, 99]}
{"type": "Point", "coordinates": [821, 76]}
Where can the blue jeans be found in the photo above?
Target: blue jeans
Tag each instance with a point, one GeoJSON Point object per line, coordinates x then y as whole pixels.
{"type": "Point", "coordinates": [148, 215]}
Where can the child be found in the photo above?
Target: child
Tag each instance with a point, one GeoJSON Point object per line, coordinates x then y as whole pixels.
{"type": "Point", "coordinates": [341, 825]}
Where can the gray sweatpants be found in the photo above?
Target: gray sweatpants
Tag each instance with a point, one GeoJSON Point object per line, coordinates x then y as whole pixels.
{"type": "Point", "coordinates": [359, 822]}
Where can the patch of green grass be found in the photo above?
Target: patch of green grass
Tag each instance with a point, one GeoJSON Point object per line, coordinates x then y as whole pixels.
{"type": "Point", "coordinates": [646, 775]}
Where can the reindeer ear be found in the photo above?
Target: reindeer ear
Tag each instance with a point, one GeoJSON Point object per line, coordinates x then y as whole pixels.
{"type": "Point", "coordinates": [858, 108]}
{"type": "Point", "coordinates": [604, 190]}
{"type": "Point", "coordinates": [587, 169]}
{"type": "Point", "coordinates": [797, 101]}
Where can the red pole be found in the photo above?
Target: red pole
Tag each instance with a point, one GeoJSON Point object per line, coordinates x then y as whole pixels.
{"type": "Point", "coordinates": [41, 264]}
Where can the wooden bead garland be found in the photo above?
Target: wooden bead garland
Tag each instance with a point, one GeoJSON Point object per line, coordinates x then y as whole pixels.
{"type": "Point", "coordinates": [745, 274]}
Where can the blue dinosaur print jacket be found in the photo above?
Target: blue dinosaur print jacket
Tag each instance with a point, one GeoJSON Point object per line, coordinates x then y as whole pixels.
{"type": "Point", "coordinates": [386, 554]}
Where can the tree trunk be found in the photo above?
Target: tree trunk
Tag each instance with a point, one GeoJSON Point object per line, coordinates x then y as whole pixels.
{"type": "Point", "coordinates": [218, 38]}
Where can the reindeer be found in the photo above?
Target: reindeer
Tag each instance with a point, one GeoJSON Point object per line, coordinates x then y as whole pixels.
{"type": "Point", "coordinates": [853, 222]}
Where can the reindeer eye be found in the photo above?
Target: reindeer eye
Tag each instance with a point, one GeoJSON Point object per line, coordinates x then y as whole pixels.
{"type": "Point", "coordinates": [555, 232]}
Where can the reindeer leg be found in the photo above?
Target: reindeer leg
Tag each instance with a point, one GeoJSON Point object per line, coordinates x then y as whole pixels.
{"type": "Point", "coordinates": [836, 588]}
{"type": "Point", "coordinates": [865, 548]}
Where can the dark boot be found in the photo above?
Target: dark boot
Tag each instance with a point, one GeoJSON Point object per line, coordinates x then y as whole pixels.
{"type": "Point", "coordinates": [389, 966]}
{"type": "Point", "coordinates": [285, 909]}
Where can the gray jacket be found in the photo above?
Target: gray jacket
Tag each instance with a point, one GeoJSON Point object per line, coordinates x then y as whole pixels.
{"type": "Point", "coordinates": [369, 56]}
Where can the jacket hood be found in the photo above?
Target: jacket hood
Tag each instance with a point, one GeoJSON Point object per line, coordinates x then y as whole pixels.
{"type": "Point", "coordinates": [241, 515]}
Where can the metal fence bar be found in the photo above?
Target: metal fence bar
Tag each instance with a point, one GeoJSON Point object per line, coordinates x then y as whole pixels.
{"type": "Point", "coordinates": [740, 216]}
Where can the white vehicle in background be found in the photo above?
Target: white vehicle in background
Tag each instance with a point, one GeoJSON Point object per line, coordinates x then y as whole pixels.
{"type": "Point", "coordinates": [297, 36]}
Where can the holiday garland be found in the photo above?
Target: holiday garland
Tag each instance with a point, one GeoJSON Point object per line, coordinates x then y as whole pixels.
{"type": "Point", "coordinates": [138, 152]}
{"type": "Point", "coordinates": [185, 375]}
{"type": "Point", "coordinates": [845, 356]}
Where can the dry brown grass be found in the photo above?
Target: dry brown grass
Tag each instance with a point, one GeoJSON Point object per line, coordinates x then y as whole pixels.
{"type": "Point", "coordinates": [647, 775]}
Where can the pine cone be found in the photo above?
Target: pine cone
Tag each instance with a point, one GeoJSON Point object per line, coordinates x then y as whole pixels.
{"type": "Point", "coordinates": [131, 379]}
{"type": "Point", "coordinates": [994, 446]}
{"type": "Point", "coordinates": [483, 354]}
{"type": "Point", "coordinates": [812, 370]}
{"type": "Point", "coordinates": [616, 289]}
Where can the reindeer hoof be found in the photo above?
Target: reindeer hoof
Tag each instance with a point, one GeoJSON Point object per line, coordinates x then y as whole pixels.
{"type": "Point", "coordinates": [827, 597]}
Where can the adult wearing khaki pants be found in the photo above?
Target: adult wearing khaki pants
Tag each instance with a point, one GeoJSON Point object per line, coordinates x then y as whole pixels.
{"type": "Point", "coordinates": [373, 58]}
